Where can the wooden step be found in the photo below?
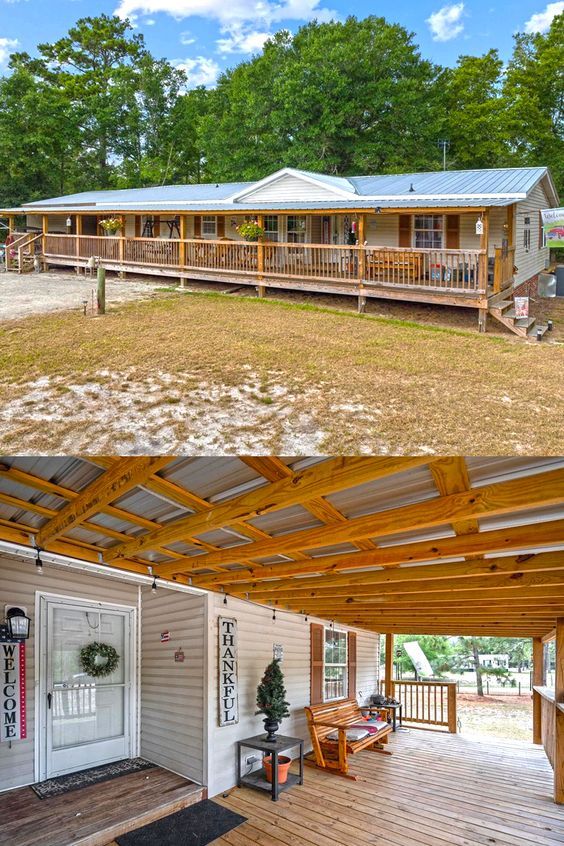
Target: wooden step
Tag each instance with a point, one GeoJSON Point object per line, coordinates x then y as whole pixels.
{"type": "Point", "coordinates": [534, 330]}
{"type": "Point", "coordinates": [502, 305]}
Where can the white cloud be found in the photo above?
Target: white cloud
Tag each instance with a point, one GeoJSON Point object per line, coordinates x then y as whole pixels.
{"type": "Point", "coordinates": [186, 38]}
{"type": "Point", "coordinates": [258, 12]}
{"type": "Point", "coordinates": [149, 22]}
{"type": "Point", "coordinates": [542, 20]}
{"type": "Point", "coordinates": [446, 23]}
{"type": "Point", "coordinates": [239, 40]}
{"type": "Point", "coordinates": [200, 71]}
{"type": "Point", "coordinates": [7, 46]}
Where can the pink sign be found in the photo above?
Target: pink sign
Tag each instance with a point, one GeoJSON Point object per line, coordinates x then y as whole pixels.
{"type": "Point", "coordinates": [12, 692]}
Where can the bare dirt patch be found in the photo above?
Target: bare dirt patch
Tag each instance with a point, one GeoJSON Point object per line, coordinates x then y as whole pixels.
{"type": "Point", "coordinates": [203, 373]}
{"type": "Point", "coordinates": [498, 716]}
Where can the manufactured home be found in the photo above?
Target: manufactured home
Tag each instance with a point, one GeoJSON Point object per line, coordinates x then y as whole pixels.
{"type": "Point", "coordinates": [465, 238]}
{"type": "Point", "coordinates": [146, 562]}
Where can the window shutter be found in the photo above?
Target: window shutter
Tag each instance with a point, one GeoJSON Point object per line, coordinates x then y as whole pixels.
{"type": "Point", "coordinates": [137, 226]}
{"type": "Point", "coordinates": [405, 230]}
{"type": "Point", "coordinates": [316, 655]}
{"type": "Point", "coordinates": [220, 226]}
{"type": "Point", "coordinates": [351, 669]}
{"type": "Point", "coordinates": [197, 226]}
{"type": "Point", "coordinates": [453, 232]}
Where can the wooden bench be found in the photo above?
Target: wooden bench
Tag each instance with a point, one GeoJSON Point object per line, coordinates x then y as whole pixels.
{"type": "Point", "coordinates": [394, 267]}
{"type": "Point", "coordinates": [323, 720]}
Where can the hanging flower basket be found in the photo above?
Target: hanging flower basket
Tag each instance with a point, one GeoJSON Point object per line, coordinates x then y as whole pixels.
{"type": "Point", "coordinates": [98, 659]}
{"type": "Point", "coordinates": [111, 225]}
{"type": "Point", "coordinates": [250, 230]}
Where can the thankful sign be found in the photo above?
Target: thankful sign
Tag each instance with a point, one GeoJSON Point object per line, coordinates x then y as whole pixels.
{"type": "Point", "coordinates": [228, 694]}
{"type": "Point", "coordinates": [12, 692]}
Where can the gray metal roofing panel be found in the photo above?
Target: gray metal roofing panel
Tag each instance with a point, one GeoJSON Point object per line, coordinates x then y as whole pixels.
{"type": "Point", "coordinates": [73, 473]}
{"type": "Point", "coordinates": [202, 191]}
{"type": "Point", "coordinates": [393, 491]}
{"type": "Point", "coordinates": [294, 518]}
{"type": "Point", "coordinates": [486, 470]}
{"type": "Point", "coordinates": [212, 478]}
{"type": "Point", "coordinates": [492, 181]}
{"type": "Point", "coordinates": [343, 183]}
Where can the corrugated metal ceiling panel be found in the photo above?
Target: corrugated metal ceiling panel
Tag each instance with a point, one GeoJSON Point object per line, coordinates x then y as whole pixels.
{"type": "Point", "coordinates": [393, 491]}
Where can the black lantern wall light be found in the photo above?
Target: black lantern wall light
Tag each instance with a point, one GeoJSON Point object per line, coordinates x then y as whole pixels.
{"type": "Point", "coordinates": [16, 625]}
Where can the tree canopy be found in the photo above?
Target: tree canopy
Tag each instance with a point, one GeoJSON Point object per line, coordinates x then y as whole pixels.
{"type": "Point", "coordinates": [96, 110]}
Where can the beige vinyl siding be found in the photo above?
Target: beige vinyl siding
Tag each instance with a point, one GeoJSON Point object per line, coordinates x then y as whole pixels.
{"type": "Point", "coordinates": [290, 189]}
{"type": "Point", "coordinates": [531, 262]}
{"type": "Point", "coordinates": [172, 694]}
{"type": "Point", "coordinates": [382, 230]}
{"type": "Point", "coordinates": [18, 585]}
{"type": "Point", "coordinates": [257, 633]}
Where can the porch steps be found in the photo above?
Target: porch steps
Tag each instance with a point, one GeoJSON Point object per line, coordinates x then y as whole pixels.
{"type": "Point", "coordinates": [526, 327]}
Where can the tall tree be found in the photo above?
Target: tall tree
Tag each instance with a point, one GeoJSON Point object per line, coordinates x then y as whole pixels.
{"type": "Point", "coordinates": [534, 90]}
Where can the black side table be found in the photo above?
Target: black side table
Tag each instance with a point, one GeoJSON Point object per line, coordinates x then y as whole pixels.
{"type": "Point", "coordinates": [257, 779]}
{"type": "Point", "coordinates": [396, 709]}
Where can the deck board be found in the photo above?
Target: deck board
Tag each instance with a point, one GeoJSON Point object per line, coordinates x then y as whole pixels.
{"type": "Point", "coordinates": [435, 790]}
{"type": "Point", "coordinates": [93, 816]}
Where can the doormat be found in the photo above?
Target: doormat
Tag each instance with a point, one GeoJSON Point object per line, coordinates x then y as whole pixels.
{"type": "Point", "coordinates": [75, 781]}
{"type": "Point", "coordinates": [194, 826]}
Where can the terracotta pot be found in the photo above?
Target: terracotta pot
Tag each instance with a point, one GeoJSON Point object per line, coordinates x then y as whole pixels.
{"type": "Point", "coordinates": [283, 767]}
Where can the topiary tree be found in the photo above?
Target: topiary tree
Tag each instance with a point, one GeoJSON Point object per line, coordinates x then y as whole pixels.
{"type": "Point", "coordinates": [271, 697]}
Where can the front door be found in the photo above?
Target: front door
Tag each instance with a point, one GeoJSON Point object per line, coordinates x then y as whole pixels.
{"type": "Point", "coordinates": [87, 719]}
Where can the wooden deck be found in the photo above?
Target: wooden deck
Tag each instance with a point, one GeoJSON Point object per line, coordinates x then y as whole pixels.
{"type": "Point", "coordinates": [435, 790]}
{"type": "Point", "coordinates": [94, 815]}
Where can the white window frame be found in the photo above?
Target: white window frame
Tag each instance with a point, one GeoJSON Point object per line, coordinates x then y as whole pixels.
{"type": "Point", "coordinates": [291, 233]}
{"type": "Point", "coordinates": [332, 631]}
{"type": "Point", "coordinates": [415, 230]}
{"type": "Point", "coordinates": [272, 234]}
{"type": "Point", "coordinates": [209, 219]}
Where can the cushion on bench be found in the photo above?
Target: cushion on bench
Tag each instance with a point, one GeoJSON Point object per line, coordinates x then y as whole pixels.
{"type": "Point", "coordinates": [352, 734]}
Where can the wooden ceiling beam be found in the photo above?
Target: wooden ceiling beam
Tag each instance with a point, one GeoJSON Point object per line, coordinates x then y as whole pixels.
{"type": "Point", "coordinates": [324, 478]}
{"type": "Point", "coordinates": [542, 489]}
{"type": "Point", "coordinates": [126, 474]}
{"type": "Point", "coordinates": [463, 570]}
{"type": "Point", "coordinates": [450, 475]}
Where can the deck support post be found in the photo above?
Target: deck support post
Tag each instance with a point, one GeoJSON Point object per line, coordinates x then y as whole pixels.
{"type": "Point", "coordinates": [559, 715]}
{"type": "Point", "coordinates": [482, 319]}
{"type": "Point", "coordinates": [361, 303]}
{"type": "Point", "coordinates": [538, 681]}
{"type": "Point", "coordinates": [261, 289]}
{"type": "Point", "coordinates": [389, 670]}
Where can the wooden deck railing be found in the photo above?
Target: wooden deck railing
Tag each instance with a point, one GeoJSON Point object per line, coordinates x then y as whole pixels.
{"type": "Point", "coordinates": [427, 702]}
{"type": "Point", "coordinates": [504, 260]}
{"type": "Point", "coordinates": [457, 271]}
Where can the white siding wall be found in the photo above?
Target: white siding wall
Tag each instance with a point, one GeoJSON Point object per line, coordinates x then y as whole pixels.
{"type": "Point", "coordinates": [257, 634]}
{"type": "Point", "coordinates": [382, 230]}
{"type": "Point", "coordinates": [172, 694]}
{"type": "Point", "coordinates": [531, 262]}
{"type": "Point", "coordinates": [18, 586]}
{"type": "Point", "coordinates": [291, 189]}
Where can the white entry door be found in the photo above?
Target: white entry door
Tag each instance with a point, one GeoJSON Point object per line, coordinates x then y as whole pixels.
{"type": "Point", "coordinates": [86, 720]}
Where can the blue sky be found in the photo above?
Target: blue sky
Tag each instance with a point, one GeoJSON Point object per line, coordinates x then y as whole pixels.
{"type": "Point", "coordinates": [207, 36]}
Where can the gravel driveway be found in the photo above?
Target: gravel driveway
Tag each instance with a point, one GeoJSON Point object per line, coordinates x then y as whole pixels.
{"type": "Point", "coordinates": [37, 293]}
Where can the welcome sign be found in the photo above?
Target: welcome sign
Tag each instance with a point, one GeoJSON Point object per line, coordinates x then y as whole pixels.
{"type": "Point", "coordinates": [228, 682]}
{"type": "Point", "coordinates": [553, 226]}
{"type": "Point", "coordinates": [12, 692]}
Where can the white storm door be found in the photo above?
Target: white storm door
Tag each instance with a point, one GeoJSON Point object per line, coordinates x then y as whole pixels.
{"type": "Point", "coordinates": [88, 719]}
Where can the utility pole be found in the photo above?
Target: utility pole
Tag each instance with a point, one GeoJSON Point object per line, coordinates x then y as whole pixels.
{"type": "Point", "coordinates": [443, 144]}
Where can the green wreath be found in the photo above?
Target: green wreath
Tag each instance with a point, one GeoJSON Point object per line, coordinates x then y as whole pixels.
{"type": "Point", "coordinates": [90, 655]}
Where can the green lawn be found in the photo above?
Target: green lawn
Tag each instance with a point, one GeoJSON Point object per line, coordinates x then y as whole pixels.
{"type": "Point", "coordinates": [201, 373]}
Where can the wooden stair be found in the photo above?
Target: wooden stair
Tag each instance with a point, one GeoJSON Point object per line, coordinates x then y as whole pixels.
{"type": "Point", "coordinates": [526, 327]}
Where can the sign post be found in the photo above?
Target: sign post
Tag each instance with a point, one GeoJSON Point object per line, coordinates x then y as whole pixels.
{"type": "Point", "coordinates": [553, 227]}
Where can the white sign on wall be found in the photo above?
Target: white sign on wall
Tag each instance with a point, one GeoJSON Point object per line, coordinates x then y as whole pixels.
{"type": "Point", "coordinates": [228, 683]}
{"type": "Point", "coordinates": [12, 692]}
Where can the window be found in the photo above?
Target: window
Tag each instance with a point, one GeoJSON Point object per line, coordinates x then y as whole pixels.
{"type": "Point", "coordinates": [428, 231]}
{"type": "Point", "coordinates": [527, 234]}
{"type": "Point", "coordinates": [335, 665]}
{"type": "Point", "coordinates": [296, 229]}
{"type": "Point", "coordinates": [209, 225]}
{"type": "Point", "coordinates": [271, 227]}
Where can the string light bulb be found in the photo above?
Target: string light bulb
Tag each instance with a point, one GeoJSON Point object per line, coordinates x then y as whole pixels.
{"type": "Point", "coordinates": [38, 564]}
{"type": "Point", "coordinates": [154, 585]}
{"type": "Point", "coordinates": [225, 599]}
{"type": "Point", "coordinates": [274, 615]}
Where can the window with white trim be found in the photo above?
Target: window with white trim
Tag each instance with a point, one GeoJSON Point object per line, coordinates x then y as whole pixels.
{"type": "Point", "coordinates": [335, 665]}
{"type": "Point", "coordinates": [271, 227]}
{"type": "Point", "coordinates": [527, 234]}
{"type": "Point", "coordinates": [296, 228]}
{"type": "Point", "coordinates": [209, 225]}
{"type": "Point", "coordinates": [428, 231]}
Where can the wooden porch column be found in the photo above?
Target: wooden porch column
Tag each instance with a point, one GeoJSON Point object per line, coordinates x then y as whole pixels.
{"type": "Point", "coordinates": [388, 681]}
{"type": "Point", "coordinates": [538, 681]}
{"type": "Point", "coordinates": [510, 225]}
{"type": "Point", "coordinates": [182, 248]}
{"type": "Point", "coordinates": [484, 245]}
{"type": "Point", "coordinates": [11, 220]}
{"type": "Point", "coordinates": [559, 715]}
{"type": "Point", "coordinates": [45, 230]}
{"type": "Point", "coordinates": [78, 219]}
{"type": "Point", "coordinates": [361, 263]}
{"type": "Point", "coordinates": [260, 259]}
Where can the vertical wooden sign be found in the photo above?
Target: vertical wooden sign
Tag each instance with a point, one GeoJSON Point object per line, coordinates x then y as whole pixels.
{"type": "Point", "coordinates": [12, 692]}
{"type": "Point", "coordinates": [228, 682]}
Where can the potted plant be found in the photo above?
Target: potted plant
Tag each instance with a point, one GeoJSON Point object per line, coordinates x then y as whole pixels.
{"type": "Point", "coordinates": [271, 699]}
{"type": "Point", "coordinates": [111, 225]}
{"type": "Point", "coordinates": [250, 230]}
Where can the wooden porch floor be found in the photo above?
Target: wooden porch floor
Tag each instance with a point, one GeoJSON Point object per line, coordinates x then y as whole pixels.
{"type": "Point", "coordinates": [94, 815]}
{"type": "Point", "coordinates": [435, 790]}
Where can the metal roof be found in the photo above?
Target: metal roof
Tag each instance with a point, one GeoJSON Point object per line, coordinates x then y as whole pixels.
{"type": "Point", "coordinates": [452, 189]}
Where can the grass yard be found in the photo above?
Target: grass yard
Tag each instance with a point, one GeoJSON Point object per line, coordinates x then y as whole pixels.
{"type": "Point", "coordinates": [509, 717]}
{"type": "Point", "coordinates": [204, 372]}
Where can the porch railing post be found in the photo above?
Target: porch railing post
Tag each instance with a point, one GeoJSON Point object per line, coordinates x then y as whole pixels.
{"type": "Point", "coordinates": [559, 714]}
{"type": "Point", "coordinates": [538, 681]}
{"type": "Point", "coordinates": [388, 680]}
{"type": "Point", "coordinates": [451, 700]}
